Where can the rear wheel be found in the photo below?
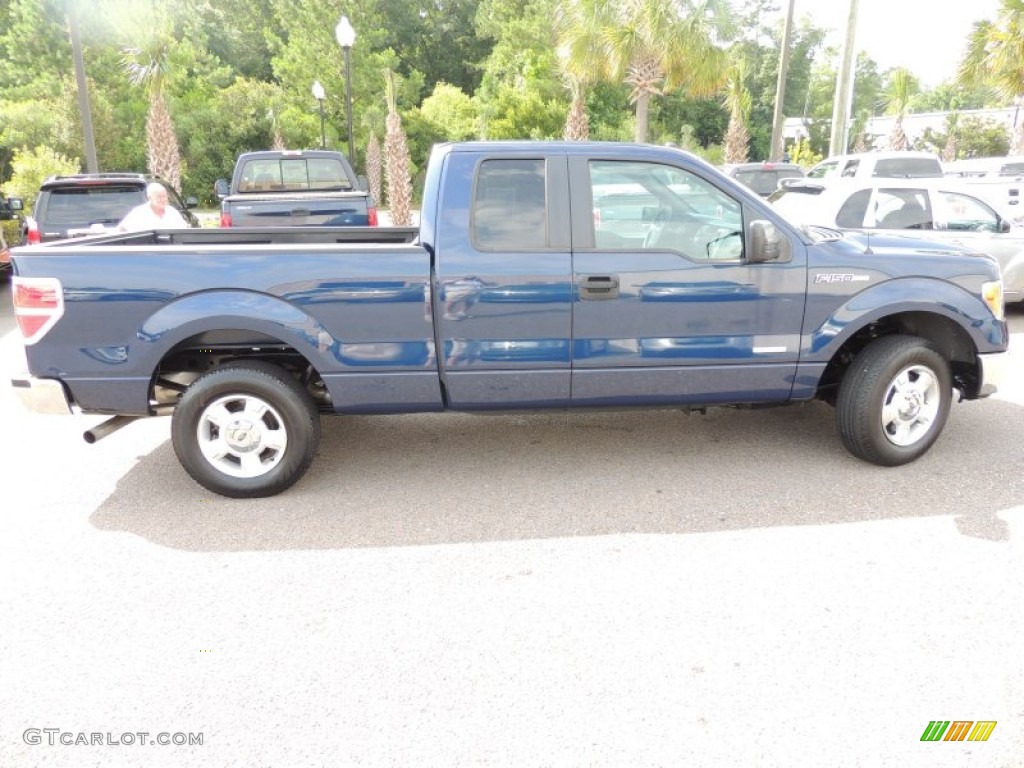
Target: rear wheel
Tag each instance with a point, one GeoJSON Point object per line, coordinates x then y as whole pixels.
{"type": "Point", "coordinates": [894, 400]}
{"type": "Point", "coordinates": [246, 430]}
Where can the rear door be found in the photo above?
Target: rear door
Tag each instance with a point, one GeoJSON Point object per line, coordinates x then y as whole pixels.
{"type": "Point", "coordinates": [667, 310]}
{"type": "Point", "coordinates": [503, 281]}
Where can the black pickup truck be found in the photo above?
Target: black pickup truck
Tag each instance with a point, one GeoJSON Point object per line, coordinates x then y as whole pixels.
{"type": "Point", "coordinates": [295, 188]}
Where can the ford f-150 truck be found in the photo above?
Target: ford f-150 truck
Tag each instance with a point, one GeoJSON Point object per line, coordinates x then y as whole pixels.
{"type": "Point", "coordinates": [543, 275]}
{"type": "Point", "coordinates": [279, 188]}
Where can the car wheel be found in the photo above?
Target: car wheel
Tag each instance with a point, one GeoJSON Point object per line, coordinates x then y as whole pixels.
{"type": "Point", "coordinates": [894, 400]}
{"type": "Point", "coordinates": [246, 430]}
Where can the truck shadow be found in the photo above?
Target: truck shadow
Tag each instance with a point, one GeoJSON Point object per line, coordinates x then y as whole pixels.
{"type": "Point", "coordinates": [450, 478]}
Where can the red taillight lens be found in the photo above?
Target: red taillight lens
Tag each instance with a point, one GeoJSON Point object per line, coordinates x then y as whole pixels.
{"type": "Point", "coordinates": [32, 235]}
{"type": "Point", "coordinates": [38, 305]}
{"type": "Point", "coordinates": [371, 217]}
{"type": "Point", "coordinates": [225, 219]}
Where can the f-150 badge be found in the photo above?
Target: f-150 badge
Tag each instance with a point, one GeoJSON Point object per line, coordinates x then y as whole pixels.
{"type": "Point", "coordinates": [840, 277]}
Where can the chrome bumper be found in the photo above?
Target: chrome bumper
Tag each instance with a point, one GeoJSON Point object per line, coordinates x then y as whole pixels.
{"type": "Point", "coordinates": [994, 369]}
{"type": "Point", "coordinates": [41, 395]}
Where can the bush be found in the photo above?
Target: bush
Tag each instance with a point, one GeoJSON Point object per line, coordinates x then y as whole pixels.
{"type": "Point", "coordinates": [31, 168]}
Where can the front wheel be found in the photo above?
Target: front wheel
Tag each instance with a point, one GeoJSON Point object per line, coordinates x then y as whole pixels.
{"type": "Point", "coordinates": [894, 400]}
{"type": "Point", "coordinates": [246, 430]}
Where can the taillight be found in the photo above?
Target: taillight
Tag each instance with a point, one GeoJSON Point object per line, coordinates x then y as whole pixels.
{"type": "Point", "coordinates": [225, 219]}
{"type": "Point", "coordinates": [38, 305]}
{"type": "Point", "coordinates": [371, 217]}
{"type": "Point", "coordinates": [32, 233]}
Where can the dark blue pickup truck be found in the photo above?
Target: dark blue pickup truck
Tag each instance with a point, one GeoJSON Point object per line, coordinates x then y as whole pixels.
{"type": "Point", "coordinates": [295, 188]}
{"type": "Point", "coordinates": [543, 275]}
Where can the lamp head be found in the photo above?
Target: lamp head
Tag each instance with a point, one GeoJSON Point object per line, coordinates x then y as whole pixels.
{"type": "Point", "coordinates": [318, 91]}
{"type": "Point", "coordinates": [345, 33]}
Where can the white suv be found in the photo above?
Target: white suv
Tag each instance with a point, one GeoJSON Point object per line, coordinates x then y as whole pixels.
{"type": "Point", "coordinates": [893, 165]}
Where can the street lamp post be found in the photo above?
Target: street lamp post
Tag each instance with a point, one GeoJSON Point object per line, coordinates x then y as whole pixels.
{"type": "Point", "coordinates": [346, 38]}
{"type": "Point", "coordinates": [318, 94]}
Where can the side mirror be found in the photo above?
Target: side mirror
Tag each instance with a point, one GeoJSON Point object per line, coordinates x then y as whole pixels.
{"type": "Point", "coordinates": [362, 183]}
{"type": "Point", "coordinates": [221, 188]}
{"type": "Point", "coordinates": [16, 203]}
{"type": "Point", "coordinates": [1004, 226]}
{"type": "Point", "coordinates": [766, 244]}
{"type": "Point", "coordinates": [192, 202]}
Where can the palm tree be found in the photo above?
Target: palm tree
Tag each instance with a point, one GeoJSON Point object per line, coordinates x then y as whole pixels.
{"type": "Point", "coordinates": [654, 46]}
{"type": "Point", "coordinates": [577, 123]}
{"type": "Point", "coordinates": [396, 159]}
{"type": "Point", "coordinates": [737, 101]}
{"type": "Point", "coordinates": [147, 66]}
{"type": "Point", "coordinates": [901, 87]}
{"type": "Point", "coordinates": [995, 57]}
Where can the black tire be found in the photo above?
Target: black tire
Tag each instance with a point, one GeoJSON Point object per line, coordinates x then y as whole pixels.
{"type": "Point", "coordinates": [894, 400]}
{"type": "Point", "coordinates": [268, 433]}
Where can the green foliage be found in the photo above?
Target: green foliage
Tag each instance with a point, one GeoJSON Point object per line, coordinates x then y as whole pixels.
{"type": "Point", "coordinates": [240, 69]}
{"type": "Point", "coordinates": [453, 112]}
{"type": "Point", "coordinates": [801, 153]}
{"type": "Point", "coordinates": [31, 167]}
{"type": "Point", "coordinates": [975, 137]}
{"type": "Point", "coordinates": [11, 232]}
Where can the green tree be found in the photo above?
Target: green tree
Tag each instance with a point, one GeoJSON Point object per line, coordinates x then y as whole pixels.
{"type": "Point", "coordinates": [452, 111]}
{"type": "Point", "coordinates": [902, 86]}
{"type": "Point", "coordinates": [737, 101]}
{"type": "Point", "coordinates": [147, 65]}
{"type": "Point", "coordinates": [995, 57]}
{"type": "Point", "coordinates": [654, 46]}
{"type": "Point", "coordinates": [31, 167]}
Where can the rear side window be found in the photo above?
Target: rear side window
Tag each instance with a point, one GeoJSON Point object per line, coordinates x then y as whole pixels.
{"type": "Point", "coordinates": [84, 205]}
{"type": "Point", "coordinates": [509, 206]}
{"type": "Point", "coordinates": [853, 211]}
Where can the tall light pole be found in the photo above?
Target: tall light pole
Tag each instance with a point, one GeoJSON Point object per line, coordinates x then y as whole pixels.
{"type": "Point", "coordinates": [318, 94]}
{"type": "Point", "coordinates": [779, 119]}
{"type": "Point", "coordinates": [844, 88]}
{"type": "Point", "coordinates": [346, 39]}
{"type": "Point", "coordinates": [83, 90]}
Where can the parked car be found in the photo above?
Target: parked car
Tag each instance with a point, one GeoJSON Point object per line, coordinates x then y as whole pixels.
{"type": "Point", "coordinates": [278, 188]}
{"type": "Point", "coordinates": [10, 211]}
{"type": "Point", "coordinates": [687, 291]}
{"type": "Point", "coordinates": [999, 179]}
{"type": "Point", "coordinates": [763, 178]}
{"type": "Point", "coordinates": [890, 164]}
{"type": "Point", "coordinates": [936, 209]}
{"type": "Point", "coordinates": [91, 204]}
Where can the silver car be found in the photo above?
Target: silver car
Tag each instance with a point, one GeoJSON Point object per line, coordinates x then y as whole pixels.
{"type": "Point", "coordinates": [933, 209]}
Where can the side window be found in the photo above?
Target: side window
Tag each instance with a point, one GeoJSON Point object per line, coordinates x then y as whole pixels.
{"type": "Point", "coordinates": [851, 168]}
{"type": "Point", "coordinates": [509, 206]}
{"type": "Point", "coordinates": [647, 206]}
{"type": "Point", "coordinates": [903, 209]}
{"type": "Point", "coordinates": [854, 210]}
{"type": "Point", "coordinates": [962, 213]}
{"type": "Point", "coordinates": [822, 169]}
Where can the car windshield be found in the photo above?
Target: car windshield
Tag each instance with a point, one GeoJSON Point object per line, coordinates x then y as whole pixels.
{"type": "Point", "coordinates": [84, 205]}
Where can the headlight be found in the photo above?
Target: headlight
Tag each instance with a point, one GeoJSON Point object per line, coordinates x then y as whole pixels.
{"type": "Point", "coordinates": [992, 295]}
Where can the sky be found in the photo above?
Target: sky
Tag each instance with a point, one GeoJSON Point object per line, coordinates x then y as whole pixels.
{"type": "Point", "coordinates": [927, 37]}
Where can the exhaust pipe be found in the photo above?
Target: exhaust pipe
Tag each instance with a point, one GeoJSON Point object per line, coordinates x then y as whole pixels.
{"type": "Point", "coordinates": [109, 426]}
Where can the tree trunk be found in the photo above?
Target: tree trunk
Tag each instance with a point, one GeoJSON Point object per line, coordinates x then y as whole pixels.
{"type": "Point", "coordinates": [642, 103]}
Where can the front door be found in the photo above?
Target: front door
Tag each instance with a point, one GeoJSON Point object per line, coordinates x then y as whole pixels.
{"type": "Point", "coordinates": [666, 308]}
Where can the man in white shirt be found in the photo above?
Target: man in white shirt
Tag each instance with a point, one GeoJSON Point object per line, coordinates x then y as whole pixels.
{"type": "Point", "coordinates": [153, 214]}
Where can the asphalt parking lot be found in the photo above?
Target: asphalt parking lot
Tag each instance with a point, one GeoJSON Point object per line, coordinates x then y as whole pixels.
{"type": "Point", "coordinates": [611, 589]}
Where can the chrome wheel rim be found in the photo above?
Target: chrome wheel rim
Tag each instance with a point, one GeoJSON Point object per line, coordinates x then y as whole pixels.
{"type": "Point", "coordinates": [242, 436]}
{"type": "Point", "coordinates": [910, 405]}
